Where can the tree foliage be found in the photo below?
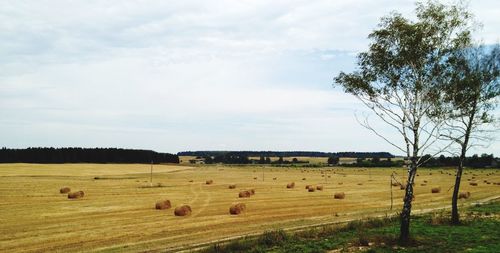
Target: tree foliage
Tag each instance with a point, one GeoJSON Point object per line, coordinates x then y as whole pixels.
{"type": "Point", "coordinates": [400, 79]}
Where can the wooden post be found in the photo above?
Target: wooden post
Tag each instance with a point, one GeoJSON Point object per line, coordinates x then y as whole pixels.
{"type": "Point", "coordinates": [151, 177]}
{"type": "Point", "coordinates": [390, 185]}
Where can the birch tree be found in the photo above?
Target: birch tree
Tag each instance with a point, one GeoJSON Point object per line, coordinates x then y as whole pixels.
{"type": "Point", "coordinates": [472, 95]}
{"type": "Point", "coordinates": [400, 77]}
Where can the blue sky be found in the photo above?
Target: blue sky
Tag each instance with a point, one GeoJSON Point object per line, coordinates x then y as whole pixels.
{"type": "Point", "coordinates": [191, 75]}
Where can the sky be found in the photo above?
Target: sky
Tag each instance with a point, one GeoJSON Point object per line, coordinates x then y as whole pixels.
{"type": "Point", "coordinates": [191, 75]}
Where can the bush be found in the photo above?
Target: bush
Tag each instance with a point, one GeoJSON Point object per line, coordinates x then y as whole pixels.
{"type": "Point", "coordinates": [272, 238]}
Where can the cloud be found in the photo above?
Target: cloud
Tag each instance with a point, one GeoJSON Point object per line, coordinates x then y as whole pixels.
{"type": "Point", "coordinates": [171, 76]}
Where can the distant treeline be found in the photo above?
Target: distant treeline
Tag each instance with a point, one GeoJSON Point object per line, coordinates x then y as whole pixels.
{"type": "Point", "coordinates": [475, 161]}
{"type": "Point", "coordinates": [84, 155]}
{"type": "Point", "coordinates": [287, 154]}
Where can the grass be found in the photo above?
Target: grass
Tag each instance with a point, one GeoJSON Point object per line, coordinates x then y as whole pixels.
{"type": "Point", "coordinates": [476, 234]}
{"type": "Point", "coordinates": [117, 213]}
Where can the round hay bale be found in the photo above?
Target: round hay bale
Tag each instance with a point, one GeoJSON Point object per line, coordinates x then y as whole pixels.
{"type": "Point", "coordinates": [319, 187]}
{"type": "Point", "coordinates": [290, 185]}
{"type": "Point", "coordinates": [340, 183]}
{"type": "Point", "coordinates": [182, 210]}
{"type": "Point", "coordinates": [423, 184]}
{"type": "Point", "coordinates": [360, 183]}
{"type": "Point", "coordinates": [232, 186]}
{"type": "Point", "coordinates": [464, 195]}
{"type": "Point", "coordinates": [76, 195]}
{"type": "Point", "coordinates": [274, 178]}
{"type": "Point", "coordinates": [304, 178]}
{"type": "Point", "coordinates": [255, 178]}
{"type": "Point", "coordinates": [425, 181]}
{"type": "Point", "coordinates": [163, 204]}
{"type": "Point", "coordinates": [473, 183]}
{"type": "Point", "coordinates": [244, 194]}
{"type": "Point", "coordinates": [237, 208]}
{"type": "Point", "coordinates": [64, 190]}
{"type": "Point", "coordinates": [436, 190]}
{"type": "Point", "coordinates": [339, 195]}
{"type": "Point", "coordinates": [190, 181]}
{"type": "Point", "coordinates": [252, 191]}
{"type": "Point", "coordinates": [209, 181]}
{"type": "Point", "coordinates": [308, 186]}
{"type": "Point", "coordinates": [311, 189]}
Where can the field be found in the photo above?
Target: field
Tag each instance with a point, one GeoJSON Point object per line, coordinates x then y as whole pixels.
{"type": "Point", "coordinates": [117, 213]}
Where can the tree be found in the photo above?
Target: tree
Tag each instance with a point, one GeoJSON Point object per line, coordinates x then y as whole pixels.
{"type": "Point", "coordinates": [472, 95]}
{"type": "Point", "coordinates": [268, 160]}
{"type": "Point", "coordinates": [280, 160]}
{"type": "Point", "coordinates": [399, 80]}
{"type": "Point", "coordinates": [333, 160]}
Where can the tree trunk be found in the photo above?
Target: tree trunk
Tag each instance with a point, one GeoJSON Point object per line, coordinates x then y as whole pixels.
{"type": "Point", "coordinates": [455, 219]}
{"type": "Point", "coordinates": [404, 235]}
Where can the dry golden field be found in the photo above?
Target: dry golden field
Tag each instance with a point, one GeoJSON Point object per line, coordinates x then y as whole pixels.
{"type": "Point", "coordinates": [118, 212]}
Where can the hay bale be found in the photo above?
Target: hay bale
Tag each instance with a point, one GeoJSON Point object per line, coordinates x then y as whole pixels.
{"type": "Point", "coordinates": [64, 190]}
{"type": "Point", "coordinates": [360, 183]}
{"type": "Point", "coordinates": [464, 195]}
{"type": "Point", "coordinates": [425, 181]}
{"type": "Point", "coordinates": [237, 208]}
{"type": "Point", "coordinates": [290, 185]}
{"type": "Point", "coordinates": [252, 191]}
{"type": "Point", "coordinates": [182, 210]}
{"type": "Point", "coordinates": [274, 178]}
{"type": "Point", "coordinates": [436, 190]}
{"type": "Point", "coordinates": [255, 178]}
{"type": "Point", "coordinates": [244, 194]}
{"type": "Point", "coordinates": [339, 195]}
{"type": "Point", "coordinates": [308, 186]}
{"type": "Point", "coordinates": [311, 189]}
{"type": "Point", "coordinates": [209, 181]}
{"type": "Point", "coordinates": [190, 181]}
{"type": "Point", "coordinates": [232, 186]}
{"type": "Point", "coordinates": [340, 183]}
{"type": "Point", "coordinates": [423, 184]}
{"type": "Point", "coordinates": [163, 204]}
{"type": "Point", "coordinates": [76, 195]}
{"type": "Point", "coordinates": [473, 183]}
{"type": "Point", "coordinates": [304, 178]}
{"type": "Point", "coordinates": [319, 187]}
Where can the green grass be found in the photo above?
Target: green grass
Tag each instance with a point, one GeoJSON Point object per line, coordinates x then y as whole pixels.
{"type": "Point", "coordinates": [479, 232]}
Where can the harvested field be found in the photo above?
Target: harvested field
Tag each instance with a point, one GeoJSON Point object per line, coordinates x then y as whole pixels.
{"type": "Point", "coordinates": [107, 220]}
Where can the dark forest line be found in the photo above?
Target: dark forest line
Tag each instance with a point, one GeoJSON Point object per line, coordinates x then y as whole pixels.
{"type": "Point", "coordinates": [84, 155]}
{"type": "Point", "coordinates": [288, 154]}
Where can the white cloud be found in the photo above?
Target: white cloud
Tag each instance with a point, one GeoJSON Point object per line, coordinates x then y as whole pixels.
{"type": "Point", "coordinates": [175, 75]}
